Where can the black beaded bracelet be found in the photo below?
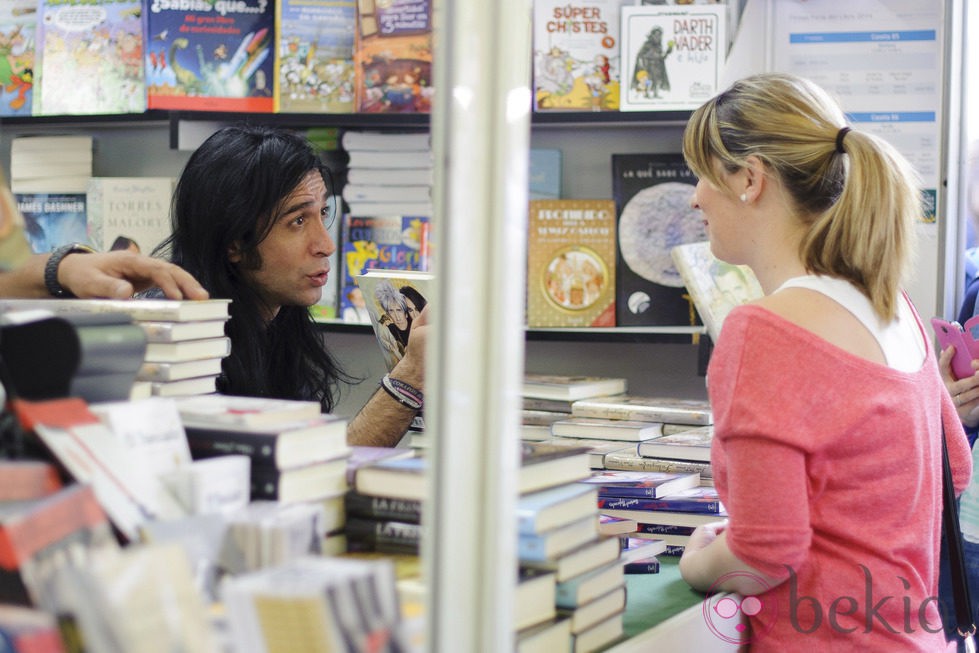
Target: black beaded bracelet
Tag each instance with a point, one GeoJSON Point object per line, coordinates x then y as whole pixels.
{"type": "Point", "coordinates": [404, 393]}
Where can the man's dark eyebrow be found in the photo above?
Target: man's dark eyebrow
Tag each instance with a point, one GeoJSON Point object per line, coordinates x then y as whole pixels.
{"type": "Point", "coordinates": [300, 205]}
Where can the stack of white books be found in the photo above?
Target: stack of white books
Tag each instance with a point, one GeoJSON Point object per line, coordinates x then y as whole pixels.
{"type": "Point", "coordinates": [388, 174]}
{"type": "Point", "coordinates": [50, 164]}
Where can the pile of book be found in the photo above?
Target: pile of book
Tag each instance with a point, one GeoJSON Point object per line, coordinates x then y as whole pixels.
{"type": "Point", "coordinates": [49, 177]}
{"type": "Point", "coordinates": [388, 174]}
{"type": "Point", "coordinates": [185, 341]}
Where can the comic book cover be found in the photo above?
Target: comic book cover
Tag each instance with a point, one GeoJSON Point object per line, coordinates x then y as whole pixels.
{"type": "Point", "coordinates": [393, 56]}
{"type": "Point", "coordinates": [672, 56]}
{"type": "Point", "coordinates": [18, 22]}
{"type": "Point", "coordinates": [89, 58]}
{"type": "Point", "coordinates": [210, 55]}
{"type": "Point", "coordinates": [576, 55]}
{"type": "Point", "coordinates": [314, 56]}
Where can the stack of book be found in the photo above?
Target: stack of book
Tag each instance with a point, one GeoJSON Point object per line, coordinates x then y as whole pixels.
{"type": "Point", "coordinates": [670, 518]}
{"type": "Point", "coordinates": [49, 177]}
{"type": "Point", "coordinates": [297, 453]}
{"type": "Point", "coordinates": [388, 174]}
{"type": "Point", "coordinates": [559, 533]}
{"type": "Point", "coordinates": [547, 399]}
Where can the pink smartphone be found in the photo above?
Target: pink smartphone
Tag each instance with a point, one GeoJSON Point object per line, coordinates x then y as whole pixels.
{"type": "Point", "coordinates": [951, 333]}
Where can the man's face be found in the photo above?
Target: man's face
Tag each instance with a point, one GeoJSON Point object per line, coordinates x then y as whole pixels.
{"type": "Point", "coordinates": [294, 254]}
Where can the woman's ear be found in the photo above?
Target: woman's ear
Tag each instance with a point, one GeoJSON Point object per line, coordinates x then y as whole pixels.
{"type": "Point", "coordinates": [754, 179]}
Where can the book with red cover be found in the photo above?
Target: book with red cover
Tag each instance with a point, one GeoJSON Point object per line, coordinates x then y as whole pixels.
{"type": "Point", "coordinates": [28, 479]}
{"type": "Point", "coordinates": [203, 59]}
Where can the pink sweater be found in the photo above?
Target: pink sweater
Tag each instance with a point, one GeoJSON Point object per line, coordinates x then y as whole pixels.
{"type": "Point", "coordinates": [830, 465]}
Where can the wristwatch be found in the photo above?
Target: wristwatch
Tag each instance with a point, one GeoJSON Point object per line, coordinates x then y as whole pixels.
{"type": "Point", "coordinates": [51, 267]}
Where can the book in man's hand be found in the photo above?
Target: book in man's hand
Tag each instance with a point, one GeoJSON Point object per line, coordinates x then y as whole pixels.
{"type": "Point", "coordinates": [393, 300]}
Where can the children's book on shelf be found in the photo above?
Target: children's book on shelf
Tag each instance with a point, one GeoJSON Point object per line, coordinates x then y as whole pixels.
{"type": "Point", "coordinates": [314, 51]}
{"type": "Point", "coordinates": [52, 220]}
{"type": "Point", "coordinates": [606, 429]}
{"type": "Point", "coordinates": [279, 446]}
{"type": "Point", "coordinates": [672, 56]}
{"type": "Point", "coordinates": [571, 263]}
{"type": "Point", "coordinates": [392, 242]}
{"type": "Point", "coordinates": [698, 499]}
{"type": "Point", "coordinates": [394, 299]}
{"type": "Point", "coordinates": [668, 410]}
{"type": "Point", "coordinates": [89, 58]}
{"type": "Point", "coordinates": [654, 485]}
{"type": "Point", "coordinates": [576, 55]}
{"type": "Point", "coordinates": [210, 56]}
{"type": "Point", "coordinates": [129, 212]}
{"type": "Point", "coordinates": [393, 56]}
{"type": "Point", "coordinates": [18, 26]}
{"type": "Point", "coordinates": [542, 511]}
{"type": "Point", "coordinates": [715, 286]}
{"type": "Point", "coordinates": [693, 444]}
{"type": "Point", "coordinates": [652, 195]}
{"type": "Point", "coordinates": [544, 173]}
{"type": "Point", "coordinates": [565, 387]}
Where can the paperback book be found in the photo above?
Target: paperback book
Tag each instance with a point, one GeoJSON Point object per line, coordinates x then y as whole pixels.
{"type": "Point", "coordinates": [393, 56]}
{"type": "Point", "coordinates": [314, 51]}
{"type": "Point", "coordinates": [714, 286]}
{"type": "Point", "coordinates": [693, 444]}
{"type": "Point", "coordinates": [576, 55]}
{"type": "Point", "coordinates": [210, 56]}
{"type": "Point", "coordinates": [128, 212]}
{"type": "Point", "coordinates": [89, 58]}
{"type": "Point", "coordinates": [652, 198]}
{"type": "Point", "coordinates": [672, 56]}
{"type": "Point", "coordinates": [571, 263]}
{"type": "Point", "coordinates": [394, 299]}
{"type": "Point", "coordinates": [606, 429]}
{"type": "Point", "coordinates": [654, 485]}
{"type": "Point", "coordinates": [696, 499]}
{"type": "Point", "coordinates": [53, 219]}
{"type": "Point", "coordinates": [538, 512]}
{"type": "Point", "coordinates": [569, 386]}
{"type": "Point", "coordinates": [669, 410]}
{"type": "Point", "coordinates": [18, 25]}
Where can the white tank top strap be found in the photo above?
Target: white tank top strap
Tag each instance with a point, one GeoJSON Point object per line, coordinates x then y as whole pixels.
{"type": "Point", "coordinates": [901, 340]}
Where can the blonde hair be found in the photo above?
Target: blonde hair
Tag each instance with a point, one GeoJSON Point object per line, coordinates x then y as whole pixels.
{"type": "Point", "coordinates": [859, 209]}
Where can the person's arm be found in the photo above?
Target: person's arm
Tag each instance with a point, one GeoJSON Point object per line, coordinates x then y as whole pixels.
{"type": "Point", "coordinates": [709, 564]}
{"type": "Point", "coordinates": [112, 275]}
{"type": "Point", "coordinates": [383, 421]}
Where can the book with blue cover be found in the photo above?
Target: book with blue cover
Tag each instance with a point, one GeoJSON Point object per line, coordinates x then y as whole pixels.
{"type": "Point", "coordinates": [549, 545]}
{"type": "Point", "coordinates": [699, 500]}
{"type": "Point", "coordinates": [541, 511]}
{"type": "Point", "coordinates": [655, 485]}
{"type": "Point", "coordinates": [53, 219]}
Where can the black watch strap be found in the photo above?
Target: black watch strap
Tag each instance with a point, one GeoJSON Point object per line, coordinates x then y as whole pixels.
{"type": "Point", "coordinates": [51, 267]}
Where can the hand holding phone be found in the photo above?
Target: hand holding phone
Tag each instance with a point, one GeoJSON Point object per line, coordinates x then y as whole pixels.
{"type": "Point", "coordinates": [951, 333]}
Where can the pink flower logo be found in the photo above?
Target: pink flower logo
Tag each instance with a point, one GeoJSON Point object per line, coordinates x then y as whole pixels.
{"type": "Point", "coordinates": [727, 614]}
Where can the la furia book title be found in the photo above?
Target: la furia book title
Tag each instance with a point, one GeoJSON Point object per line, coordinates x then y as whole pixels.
{"type": "Point", "coordinates": [571, 19]}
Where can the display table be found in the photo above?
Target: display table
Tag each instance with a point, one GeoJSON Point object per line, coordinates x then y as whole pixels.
{"type": "Point", "coordinates": [663, 613]}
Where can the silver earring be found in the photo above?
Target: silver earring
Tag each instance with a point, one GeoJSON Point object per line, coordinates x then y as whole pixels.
{"type": "Point", "coordinates": [744, 197]}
